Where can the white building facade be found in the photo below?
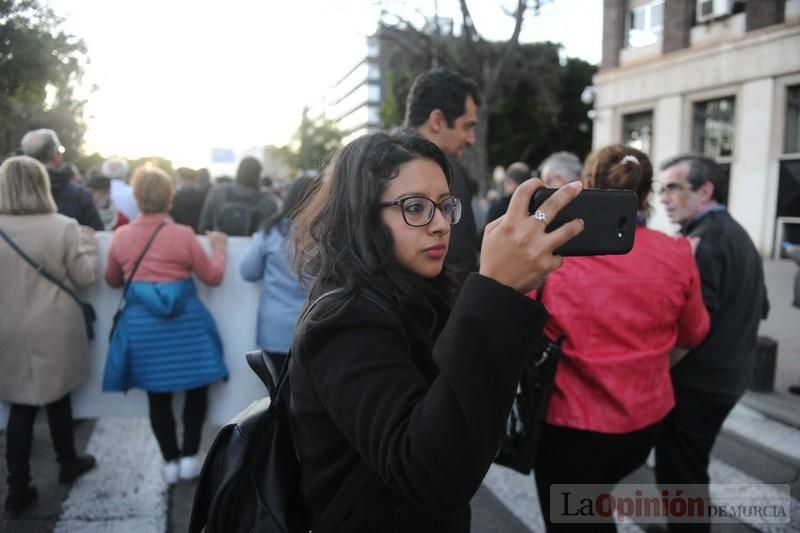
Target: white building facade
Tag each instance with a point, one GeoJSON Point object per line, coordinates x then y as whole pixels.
{"type": "Point", "coordinates": [717, 77]}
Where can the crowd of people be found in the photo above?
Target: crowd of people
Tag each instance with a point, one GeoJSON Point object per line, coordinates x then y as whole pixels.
{"type": "Point", "coordinates": [430, 303]}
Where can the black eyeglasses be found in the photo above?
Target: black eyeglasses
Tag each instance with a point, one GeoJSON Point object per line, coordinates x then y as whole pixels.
{"type": "Point", "coordinates": [419, 210]}
{"type": "Point", "coordinates": [670, 188]}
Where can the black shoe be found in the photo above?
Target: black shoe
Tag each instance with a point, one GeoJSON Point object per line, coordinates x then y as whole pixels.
{"type": "Point", "coordinates": [19, 498]}
{"type": "Point", "coordinates": [74, 468]}
{"type": "Point", "coordinates": [794, 389]}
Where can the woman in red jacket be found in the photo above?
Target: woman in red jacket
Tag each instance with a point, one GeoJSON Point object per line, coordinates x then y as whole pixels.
{"type": "Point", "coordinates": [621, 316]}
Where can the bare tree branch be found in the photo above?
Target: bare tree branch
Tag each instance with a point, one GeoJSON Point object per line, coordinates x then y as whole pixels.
{"type": "Point", "coordinates": [508, 49]}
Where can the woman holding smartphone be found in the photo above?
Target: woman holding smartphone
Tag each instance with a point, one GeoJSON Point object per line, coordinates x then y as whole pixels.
{"type": "Point", "coordinates": [391, 375]}
{"type": "Point", "coordinates": [621, 316]}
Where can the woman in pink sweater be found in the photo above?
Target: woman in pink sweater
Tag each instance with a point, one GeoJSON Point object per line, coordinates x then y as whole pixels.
{"type": "Point", "coordinates": [165, 340]}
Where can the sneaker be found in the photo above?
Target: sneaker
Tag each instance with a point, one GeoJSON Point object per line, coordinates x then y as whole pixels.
{"type": "Point", "coordinates": [74, 468]}
{"type": "Point", "coordinates": [171, 472]}
{"type": "Point", "coordinates": [18, 499]}
{"type": "Point", "coordinates": [190, 467]}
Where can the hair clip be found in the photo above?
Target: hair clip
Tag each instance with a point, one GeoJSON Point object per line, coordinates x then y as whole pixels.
{"type": "Point", "coordinates": [629, 158]}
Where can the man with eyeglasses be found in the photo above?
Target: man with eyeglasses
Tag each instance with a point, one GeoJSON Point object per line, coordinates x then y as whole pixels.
{"type": "Point", "coordinates": [71, 199]}
{"type": "Point", "coordinates": [442, 106]}
{"type": "Point", "coordinates": [712, 377]}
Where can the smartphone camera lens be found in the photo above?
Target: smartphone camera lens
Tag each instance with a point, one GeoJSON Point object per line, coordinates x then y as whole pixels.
{"type": "Point", "coordinates": [621, 225]}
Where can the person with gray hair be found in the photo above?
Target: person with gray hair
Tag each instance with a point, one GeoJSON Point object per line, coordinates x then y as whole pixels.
{"type": "Point", "coordinates": [560, 168]}
{"type": "Point", "coordinates": [116, 169]}
{"type": "Point", "coordinates": [71, 199]}
{"type": "Point", "coordinates": [712, 377]}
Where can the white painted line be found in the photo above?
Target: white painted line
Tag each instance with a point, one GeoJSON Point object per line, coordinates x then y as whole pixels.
{"type": "Point", "coordinates": [722, 473]}
{"type": "Point", "coordinates": [517, 493]}
{"type": "Point", "coordinates": [126, 492]}
{"type": "Point", "coordinates": [749, 424]}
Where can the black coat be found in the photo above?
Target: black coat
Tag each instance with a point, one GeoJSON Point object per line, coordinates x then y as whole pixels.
{"type": "Point", "coordinates": [427, 418]}
{"type": "Point", "coordinates": [462, 255]}
{"type": "Point", "coordinates": [72, 200]}
{"type": "Point", "coordinates": [732, 277]}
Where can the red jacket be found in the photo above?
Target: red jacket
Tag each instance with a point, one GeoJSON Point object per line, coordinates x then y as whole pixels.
{"type": "Point", "coordinates": [622, 315]}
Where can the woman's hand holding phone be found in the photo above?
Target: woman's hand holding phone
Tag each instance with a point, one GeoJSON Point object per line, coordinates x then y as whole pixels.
{"type": "Point", "coordinates": [516, 249]}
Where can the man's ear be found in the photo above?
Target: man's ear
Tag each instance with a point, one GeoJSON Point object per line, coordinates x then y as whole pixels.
{"type": "Point", "coordinates": [706, 191]}
{"type": "Point", "coordinates": [436, 121]}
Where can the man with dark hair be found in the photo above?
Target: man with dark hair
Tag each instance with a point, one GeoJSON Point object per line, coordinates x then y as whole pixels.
{"type": "Point", "coordinates": [189, 198]}
{"type": "Point", "coordinates": [516, 174]}
{"type": "Point", "coordinates": [71, 199]}
{"type": "Point", "coordinates": [238, 208]}
{"type": "Point", "coordinates": [442, 106]}
{"type": "Point", "coordinates": [712, 377]}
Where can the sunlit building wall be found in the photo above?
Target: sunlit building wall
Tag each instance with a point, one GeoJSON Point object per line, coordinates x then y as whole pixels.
{"type": "Point", "coordinates": [717, 77]}
{"type": "Point", "coordinates": [354, 101]}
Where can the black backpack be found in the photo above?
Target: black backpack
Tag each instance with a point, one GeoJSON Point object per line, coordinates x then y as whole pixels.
{"type": "Point", "coordinates": [251, 475]}
{"type": "Point", "coordinates": [239, 216]}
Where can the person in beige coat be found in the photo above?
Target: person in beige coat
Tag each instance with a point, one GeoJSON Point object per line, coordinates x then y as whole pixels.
{"type": "Point", "coordinates": [44, 351]}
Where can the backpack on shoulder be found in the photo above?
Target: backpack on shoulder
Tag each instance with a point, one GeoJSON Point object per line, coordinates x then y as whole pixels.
{"type": "Point", "coordinates": [239, 217]}
{"type": "Point", "coordinates": [250, 481]}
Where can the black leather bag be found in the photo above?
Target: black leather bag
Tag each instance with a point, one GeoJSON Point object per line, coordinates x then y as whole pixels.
{"type": "Point", "coordinates": [251, 476]}
{"type": "Point", "coordinates": [524, 424]}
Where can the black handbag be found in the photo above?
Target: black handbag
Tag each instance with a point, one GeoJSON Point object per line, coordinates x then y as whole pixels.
{"type": "Point", "coordinates": [520, 440]}
{"type": "Point", "coordinates": [87, 310]}
{"type": "Point", "coordinates": [128, 282]}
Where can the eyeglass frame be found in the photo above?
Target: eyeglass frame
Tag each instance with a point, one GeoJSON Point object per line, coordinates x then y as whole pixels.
{"type": "Point", "coordinates": [436, 205]}
{"type": "Point", "coordinates": [673, 187]}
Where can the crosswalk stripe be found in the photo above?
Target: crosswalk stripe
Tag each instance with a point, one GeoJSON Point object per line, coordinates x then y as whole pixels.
{"type": "Point", "coordinates": [126, 492]}
{"type": "Point", "coordinates": [722, 473]}
{"type": "Point", "coordinates": [748, 424]}
{"type": "Point", "coordinates": [518, 494]}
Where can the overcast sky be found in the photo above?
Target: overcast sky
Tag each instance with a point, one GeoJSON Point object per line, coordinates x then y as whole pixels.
{"type": "Point", "coordinates": [178, 77]}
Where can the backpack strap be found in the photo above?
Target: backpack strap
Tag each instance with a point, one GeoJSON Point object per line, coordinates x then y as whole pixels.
{"type": "Point", "coordinates": [136, 266]}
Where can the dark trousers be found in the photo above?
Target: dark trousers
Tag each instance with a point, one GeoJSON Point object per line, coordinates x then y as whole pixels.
{"type": "Point", "coordinates": [685, 439]}
{"type": "Point", "coordinates": [19, 437]}
{"type": "Point", "coordinates": [572, 456]}
{"type": "Point", "coordinates": [163, 422]}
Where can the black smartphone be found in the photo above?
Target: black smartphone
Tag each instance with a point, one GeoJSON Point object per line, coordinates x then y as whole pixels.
{"type": "Point", "coordinates": [609, 217]}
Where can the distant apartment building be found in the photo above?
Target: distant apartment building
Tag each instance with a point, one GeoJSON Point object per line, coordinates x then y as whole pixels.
{"type": "Point", "coordinates": [354, 101]}
{"type": "Point", "coordinates": [717, 77]}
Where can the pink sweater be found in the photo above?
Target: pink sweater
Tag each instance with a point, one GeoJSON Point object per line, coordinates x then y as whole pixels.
{"type": "Point", "coordinates": [173, 256]}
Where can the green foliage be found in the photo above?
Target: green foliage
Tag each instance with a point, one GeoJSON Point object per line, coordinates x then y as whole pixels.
{"type": "Point", "coordinates": [317, 140]}
{"type": "Point", "coordinates": [540, 111]}
{"type": "Point", "coordinates": [39, 66]}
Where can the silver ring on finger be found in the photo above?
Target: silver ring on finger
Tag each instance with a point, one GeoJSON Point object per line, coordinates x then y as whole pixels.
{"type": "Point", "coordinates": [539, 215]}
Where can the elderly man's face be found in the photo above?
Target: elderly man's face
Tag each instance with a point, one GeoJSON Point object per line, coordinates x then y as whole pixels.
{"type": "Point", "coordinates": [675, 192]}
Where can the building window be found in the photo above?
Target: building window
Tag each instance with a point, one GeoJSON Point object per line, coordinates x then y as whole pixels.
{"type": "Point", "coordinates": [791, 143]}
{"type": "Point", "coordinates": [714, 127]}
{"type": "Point", "coordinates": [637, 131]}
{"type": "Point", "coordinates": [644, 24]}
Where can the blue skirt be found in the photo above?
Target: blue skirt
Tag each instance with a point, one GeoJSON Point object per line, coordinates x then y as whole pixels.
{"type": "Point", "coordinates": [165, 341]}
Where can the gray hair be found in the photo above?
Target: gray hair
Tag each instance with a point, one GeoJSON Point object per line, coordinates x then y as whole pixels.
{"type": "Point", "coordinates": [42, 144]}
{"type": "Point", "coordinates": [115, 168]}
{"type": "Point", "coordinates": [564, 164]}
